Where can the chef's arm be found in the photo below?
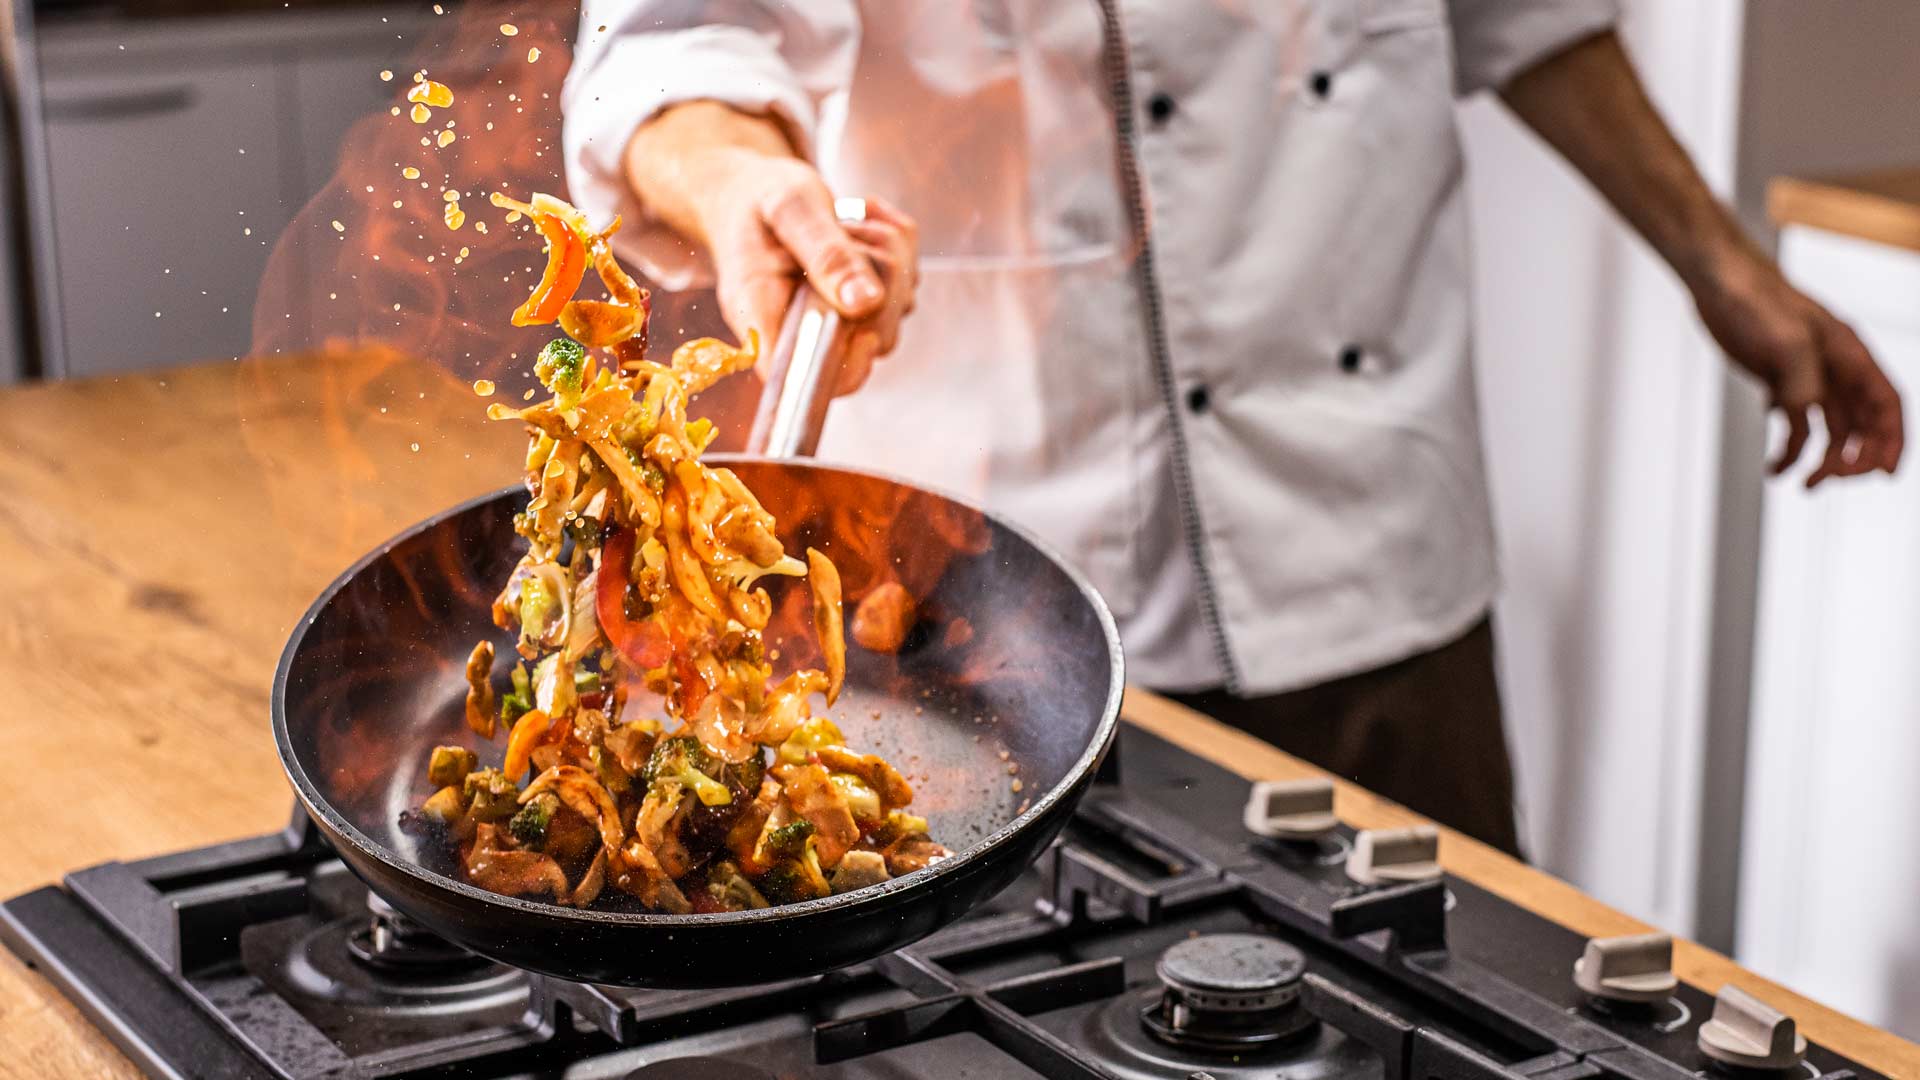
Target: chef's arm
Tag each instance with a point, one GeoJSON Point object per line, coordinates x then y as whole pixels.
{"type": "Point", "coordinates": [731, 182]}
{"type": "Point", "coordinates": [1588, 103]}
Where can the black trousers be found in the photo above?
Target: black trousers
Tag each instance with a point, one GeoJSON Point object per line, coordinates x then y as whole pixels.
{"type": "Point", "coordinates": [1425, 732]}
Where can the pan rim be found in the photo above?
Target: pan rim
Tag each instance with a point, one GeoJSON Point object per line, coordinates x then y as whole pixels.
{"type": "Point", "coordinates": [337, 824]}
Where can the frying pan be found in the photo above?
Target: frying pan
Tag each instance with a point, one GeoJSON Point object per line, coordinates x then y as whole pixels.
{"type": "Point", "coordinates": [999, 708]}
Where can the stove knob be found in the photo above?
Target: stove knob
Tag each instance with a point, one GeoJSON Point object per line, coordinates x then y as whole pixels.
{"type": "Point", "coordinates": [1634, 968]}
{"type": "Point", "coordinates": [1749, 1033]}
{"type": "Point", "coordinates": [1382, 856]}
{"type": "Point", "coordinates": [1291, 809]}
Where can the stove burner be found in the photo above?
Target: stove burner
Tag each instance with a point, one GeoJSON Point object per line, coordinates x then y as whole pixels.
{"type": "Point", "coordinates": [1229, 992]}
{"type": "Point", "coordinates": [393, 942]}
{"type": "Point", "coordinates": [699, 1068]}
{"type": "Point", "coordinates": [332, 965]}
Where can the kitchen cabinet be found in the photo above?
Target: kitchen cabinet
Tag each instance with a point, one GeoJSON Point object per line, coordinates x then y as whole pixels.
{"type": "Point", "coordinates": [1830, 870]}
{"type": "Point", "coordinates": [179, 149]}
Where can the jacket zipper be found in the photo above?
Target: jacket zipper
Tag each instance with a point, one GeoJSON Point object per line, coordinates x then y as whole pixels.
{"type": "Point", "coordinates": [1120, 91]}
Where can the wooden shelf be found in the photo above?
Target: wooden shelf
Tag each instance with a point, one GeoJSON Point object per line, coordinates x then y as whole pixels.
{"type": "Point", "coordinates": [1882, 206]}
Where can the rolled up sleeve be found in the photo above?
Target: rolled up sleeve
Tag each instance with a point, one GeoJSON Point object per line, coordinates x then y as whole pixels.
{"type": "Point", "coordinates": [637, 57]}
{"type": "Point", "coordinates": [1494, 40]}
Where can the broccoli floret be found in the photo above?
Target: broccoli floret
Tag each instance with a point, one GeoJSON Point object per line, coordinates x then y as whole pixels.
{"type": "Point", "coordinates": [730, 890]}
{"type": "Point", "coordinates": [683, 759]}
{"type": "Point", "coordinates": [450, 765]}
{"type": "Point", "coordinates": [586, 682]}
{"type": "Point", "coordinates": [795, 879]}
{"type": "Point", "coordinates": [560, 366]}
{"type": "Point", "coordinates": [494, 796]}
{"type": "Point", "coordinates": [788, 840]}
{"type": "Point", "coordinates": [519, 700]}
{"type": "Point", "coordinates": [529, 826]}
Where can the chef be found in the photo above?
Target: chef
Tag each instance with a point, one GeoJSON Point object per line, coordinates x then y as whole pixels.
{"type": "Point", "coordinates": [1189, 284]}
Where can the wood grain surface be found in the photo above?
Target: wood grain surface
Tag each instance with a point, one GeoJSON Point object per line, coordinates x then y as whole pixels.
{"type": "Point", "coordinates": [1882, 206]}
{"type": "Point", "coordinates": [162, 534]}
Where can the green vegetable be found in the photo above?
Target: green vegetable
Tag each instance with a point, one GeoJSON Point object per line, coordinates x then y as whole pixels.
{"type": "Point", "coordinates": [730, 889]}
{"type": "Point", "coordinates": [494, 796]}
{"type": "Point", "coordinates": [450, 765]}
{"type": "Point", "coordinates": [583, 529]}
{"type": "Point", "coordinates": [529, 826]}
{"type": "Point", "coordinates": [807, 738]}
{"type": "Point", "coordinates": [651, 475]}
{"type": "Point", "coordinates": [559, 366]}
{"type": "Point", "coordinates": [700, 433]}
{"type": "Point", "coordinates": [787, 841]}
{"type": "Point", "coordinates": [520, 699]}
{"type": "Point", "coordinates": [585, 682]}
{"type": "Point", "coordinates": [684, 760]}
{"type": "Point", "coordinates": [538, 604]}
{"type": "Point", "coordinates": [861, 799]}
{"type": "Point", "coordinates": [795, 879]}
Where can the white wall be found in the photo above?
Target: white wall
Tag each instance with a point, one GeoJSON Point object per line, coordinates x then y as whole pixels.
{"type": "Point", "coordinates": [1602, 402]}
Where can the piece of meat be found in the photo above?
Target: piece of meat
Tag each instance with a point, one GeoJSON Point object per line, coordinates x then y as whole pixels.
{"type": "Point", "coordinates": [910, 853]}
{"type": "Point", "coordinates": [824, 580]}
{"type": "Point", "coordinates": [819, 802]}
{"type": "Point", "coordinates": [859, 870]}
{"type": "Point", "coordinates": [582, 794]}
{"type": "Point", "coordinates": [884, 617]}
{"type": "Point", "coordinates": [511, 872]}
{"type": "Point", "coordinates": [883, 778]}
{"type": "Point", "coordinates": [480, 702]}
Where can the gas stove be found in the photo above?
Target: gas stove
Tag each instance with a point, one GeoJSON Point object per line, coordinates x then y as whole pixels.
{"type": "Point", "coordinates": [1183, 927]}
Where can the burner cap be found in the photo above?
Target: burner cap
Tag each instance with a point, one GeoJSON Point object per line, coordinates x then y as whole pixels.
{"type": "Point", "coordinates": [1229, 992]}
{"type": "Point", "coordinates": [1233, 972]}
{"type": "Point", "coordinates": [700, 1068]}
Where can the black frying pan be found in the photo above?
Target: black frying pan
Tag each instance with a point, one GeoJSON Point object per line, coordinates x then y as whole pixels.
{"type": "Point", "coordinates": [1013, 674]}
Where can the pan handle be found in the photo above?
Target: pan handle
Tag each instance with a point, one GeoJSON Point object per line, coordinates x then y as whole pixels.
{"type": "Point", "coordinates": [802, 368]}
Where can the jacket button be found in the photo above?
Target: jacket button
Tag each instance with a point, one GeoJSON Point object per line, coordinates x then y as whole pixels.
{"type": "Point", "coordinates": [1197, 400]}
{"type": "Point", "coordinates": [1322, 84]}
{"type": "Point", "coordinates": [1350, 358]}
{"type": "Point", "coordinates": [1160, 108]}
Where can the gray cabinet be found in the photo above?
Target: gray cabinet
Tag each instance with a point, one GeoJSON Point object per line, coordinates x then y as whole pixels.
{"type": "Point", "coordinates": [179, 149]}
{"type": "Point", "coordinates": [156, 263]}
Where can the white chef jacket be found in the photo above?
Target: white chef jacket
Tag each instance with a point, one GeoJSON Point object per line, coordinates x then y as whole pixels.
{"type": "Point", "coordinates": [1203, 326]}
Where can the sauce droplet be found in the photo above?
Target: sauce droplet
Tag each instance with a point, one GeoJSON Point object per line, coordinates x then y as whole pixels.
{"type": "Point", "coordinates": [483, 387]}
{"type": "Point", "coordinates": [509, 29]}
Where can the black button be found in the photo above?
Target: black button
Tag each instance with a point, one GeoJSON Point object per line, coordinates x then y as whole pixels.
{"type": "Point", "coordinates": [1350, 359]}
{"type": "Point", "coordinates": [1322, 84]}
{"type": "Point", "coordinates": [1197, 400]}
{"type": "Point", "coordinates": [1160, 108]}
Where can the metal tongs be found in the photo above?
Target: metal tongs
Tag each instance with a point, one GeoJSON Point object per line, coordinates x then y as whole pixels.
{"type": "Point", "coordinates": [802, 368]}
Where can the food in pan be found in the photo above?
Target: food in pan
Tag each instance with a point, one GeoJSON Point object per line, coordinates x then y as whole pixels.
{"type": "Point", "coordinates": [643, 570]}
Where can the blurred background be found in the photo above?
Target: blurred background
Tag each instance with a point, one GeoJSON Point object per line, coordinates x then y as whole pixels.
{"type": "Point", "coordinates": [1708, 677]}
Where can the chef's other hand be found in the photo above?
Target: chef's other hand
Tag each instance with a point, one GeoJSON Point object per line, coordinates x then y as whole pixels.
{"type": "Point", "coordinates": [731, 182]}
{"type": "Point", "coordinates": [1805, 357]}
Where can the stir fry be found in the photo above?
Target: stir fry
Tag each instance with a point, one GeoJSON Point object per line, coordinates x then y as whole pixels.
{"type": "Point", "coordinates": [643, 570]}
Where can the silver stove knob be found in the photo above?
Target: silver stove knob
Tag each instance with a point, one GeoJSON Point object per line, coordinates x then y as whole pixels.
{"type": "Point", "coordinates": [1291, 809]}
{"type": "Point", "coordinates": [1393, 856]}
{"type": "Point", "coordinates": [1751, 1034]}
{"type": "Point", "coordinates": [1637, 968]}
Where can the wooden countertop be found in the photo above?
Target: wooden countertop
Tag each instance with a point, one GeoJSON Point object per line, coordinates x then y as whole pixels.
{"type": "Point", "coordinates": [163, 532]}
{"type": "Point", "coordinates": [1882, 206]}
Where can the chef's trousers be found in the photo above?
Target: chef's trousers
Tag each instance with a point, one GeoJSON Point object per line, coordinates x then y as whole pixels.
{"type": "Point", "coordinates": [1425, 732]}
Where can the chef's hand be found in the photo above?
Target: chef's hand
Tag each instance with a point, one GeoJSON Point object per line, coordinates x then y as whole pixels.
{"type": "Point", "coordinates": [731, 182]}
{"type": "Point", "coordinates": [1805, 357]}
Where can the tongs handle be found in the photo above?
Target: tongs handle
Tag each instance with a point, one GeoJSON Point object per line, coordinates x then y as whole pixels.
{"type": "Point", "coordinates": [802, 369]}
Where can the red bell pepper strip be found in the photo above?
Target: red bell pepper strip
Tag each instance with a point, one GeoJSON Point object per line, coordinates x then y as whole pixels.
{"type": "Point", "coordinates": [639, 640]}
{"type": "Point", "coordinates": [566, 266]}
